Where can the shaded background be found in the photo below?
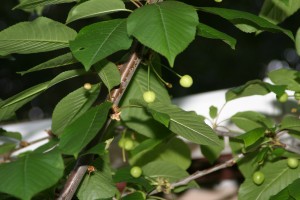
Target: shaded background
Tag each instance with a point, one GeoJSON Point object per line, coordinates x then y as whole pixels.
{"type": "Point", "coordinates": [212, 63]}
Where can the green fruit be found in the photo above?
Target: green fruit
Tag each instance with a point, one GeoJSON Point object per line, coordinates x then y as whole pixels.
{"type": "Point", "coordinates": [186, 81]}
{"type": "Point", "coordinates": [128, 144]}
{"type": "Point", "coordinates": [297, 95]}
{"type": "Point", "coordinates": [283, 98]}
{"type": "Point", "coordinates": [121, 142]}
{"type": "Point", "coordinates": [136, 171]}
{"type": "Point", "coordinates": [293, 163]}
{"type": "Point", "coordinates": [149, 96]}
{"type": "Point", "coordinates": [218, 1]}
{"type": "Point", "coordinates": [258, 177]}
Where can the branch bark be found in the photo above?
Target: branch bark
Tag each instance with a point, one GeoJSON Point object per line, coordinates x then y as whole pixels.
{"type": "Point", "coordinates": [127, 71]}
{"type": "Point", "coordinates": [199, 174]}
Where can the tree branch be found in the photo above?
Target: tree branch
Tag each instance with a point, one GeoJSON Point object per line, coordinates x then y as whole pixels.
{"type": "Point", "coordinates": [199, 174]}
{"type": "Point", "coordinates": [127, 70]}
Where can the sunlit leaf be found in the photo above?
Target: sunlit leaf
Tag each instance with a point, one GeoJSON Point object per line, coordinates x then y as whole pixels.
{"type": "Point", "coordinates": [95, 8]}
{"type": "Point", "coordinates": [28, 4]}
{"type": "Point", "coordinates": [291, 78]}
{"type": "Point", "coordinates": [277, 176]}
{"type": "Point", "coordinates": [209, 32]}
{"type": "Point", "coordinates": [277, 11]}
{"type": "Point", "coordinates": [249, 120]}
{"type": "Point", "coordinates": [290, 122]}
{"type": "Point", "coordinates": [245, 21]}
{"type": "Point", "coordinates": [254, 87]}
{"type": "Point", "coordinates": [169, 21]}
{"type": "Point", "coordinates": [187, 124]}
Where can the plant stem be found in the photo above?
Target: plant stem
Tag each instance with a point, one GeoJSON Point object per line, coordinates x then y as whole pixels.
{"type": "Point", "coordinates": [127, 70]}
{"type": "Point", "coordinates": [199, 174]}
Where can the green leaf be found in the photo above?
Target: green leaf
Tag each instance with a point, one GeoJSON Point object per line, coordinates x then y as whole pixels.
{"type": "Point", "coordinates": [32, 174]}
{"type": "Point", "coordinates": [277, 177]}
{"type": "Point", "coordinates": [13, 103]}
{"type": "Point", "coordinates": [9, 134]}
{"type": "Point", "coordinates": [29, 4]}
{"type": "Point", "coordinates": [212, 153]}
{"type": "Point", "coordinates": [109, 74]}
{"type": "Point", "coordinates": [134, 196]}
{"type": "Point", "coordinates": [99, 149]}
{"type": "Point", "coordinates": [250, 120]}
{"type": "Point", "coordinates": [40, 35]}
{"type": "Point", "coordinates": [99, 40]}
{"type": "Point", "coordinates": [283, 194]}
{"type": "Point", "coordinates": [137, 118]}
{"type": "Point", "coordinates": [277, 11]}
{"type": "Point", "coordinates": [95, 8]}
{"type": "Point", "coordinates": [249, 163]}
{"type": "Point", "coordinates": [254, 87]}
{"type": "Point", "coordinates": [213, 112]}
{"type": "Point", "coordinates": [98, 184]}
{"type": "Point", "coordinates": [62, 60]}
{"type": "Point", "coordinates": [7, 147]}
{"type": "Point", "coordinates": [290, 122]}
{"type": "Point", "coordinates": [173, 150]}
{"type": "Point", "coordinates": [169, 30]}
{"type": "Point", "coordinates": [298, 41]}
{"type": "Point", "coordinates": [294, 189]}
{"type": "Point", "coordinates": [291, 78]}
{"type": "Point", "coordinates": [245, 21]}
{"type": "Point", "coordinates": [164, 169]}
{"type": "Point", "coordinates": [83, 129]}
{"type": "Point", "coordinates": [209, 32]}
{"type": "Point", "coordinates": [123, 175]}
{"type": "Point", "coordinates": [73, 106]}
{"type": "Point", "coordinates": [252, 136]}
{"type": "Point", "coordinates": [187, 124]}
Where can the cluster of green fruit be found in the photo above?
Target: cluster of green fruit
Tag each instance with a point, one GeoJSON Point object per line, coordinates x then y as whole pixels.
{"type": "Point", "coordinates": [258, 177]}
{"type": "Point", "coordinates": [126, 143]}
{"type": "Point", "coordinates": [185, 81]}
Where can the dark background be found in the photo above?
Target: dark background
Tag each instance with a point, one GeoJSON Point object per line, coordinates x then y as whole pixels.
{"type": "Point", "coordinates": [212, 63]}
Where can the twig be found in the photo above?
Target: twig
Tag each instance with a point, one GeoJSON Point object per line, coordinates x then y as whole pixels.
{"type": "Point", "coordinates": [127, 70]}
{"type": "Point", "coordinates": [290, 148]}
{"type": "Point", "coordinates": [199, 174]}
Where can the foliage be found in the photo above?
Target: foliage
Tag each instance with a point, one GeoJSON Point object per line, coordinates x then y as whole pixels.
{"type": "Point", "coordinates": [83, 124]}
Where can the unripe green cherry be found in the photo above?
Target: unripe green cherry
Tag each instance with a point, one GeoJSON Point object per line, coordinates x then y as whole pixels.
{"type": "Point", "coordinates": [136, 171]}
{"type": "Point", "coordinates": [149, 96]}
{"type": "Point", "coordinates": [283, 98]}
{"type": "Point", "coordinates": [293, 163]}
{"type": "Point", "coordinates": [297, 95]}
{"type": "Point", "coordinates": [121, 142]}
{"type": "Point", "coordinates": [128, 144]}
{"type": "Point", "coordinates": [258, 177]}
{"type": "Point", "coordinates": [186, 81]}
